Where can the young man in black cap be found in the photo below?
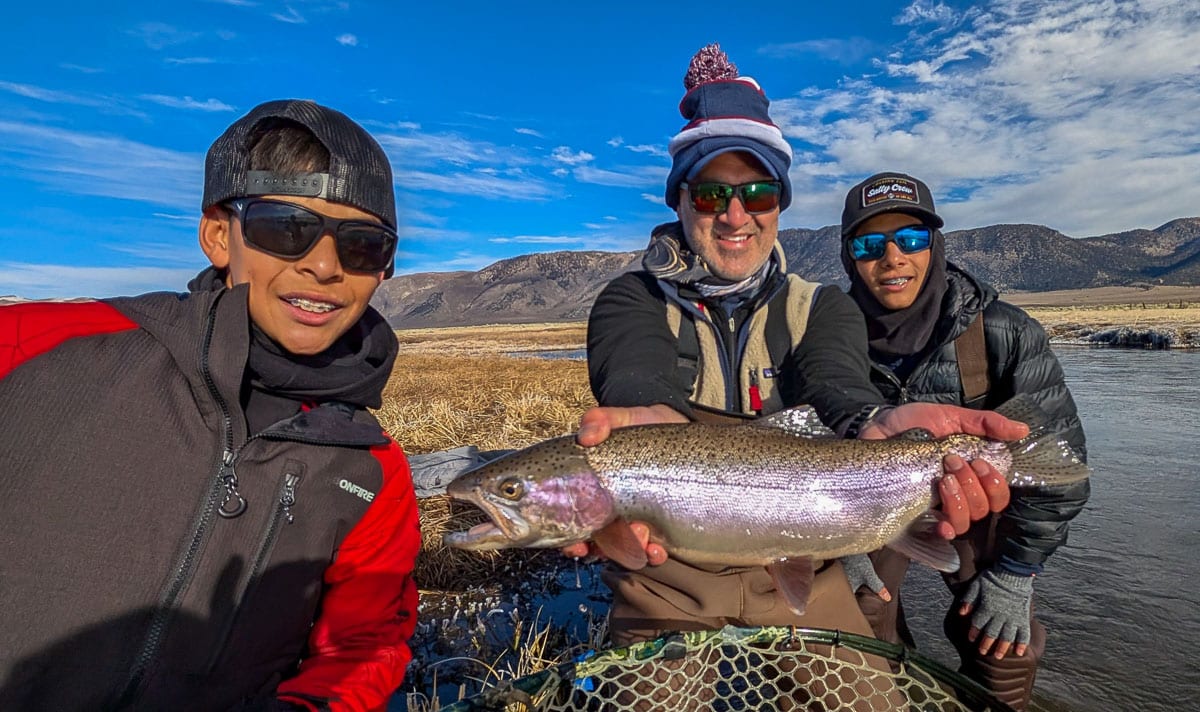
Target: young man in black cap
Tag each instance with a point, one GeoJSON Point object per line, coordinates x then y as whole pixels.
{"type": "Point", "coordinates": [714, 326]}
{"type": "Point", "coordinates": [199, 511]}
{"type": "Point", "coordinates": [939, 335]}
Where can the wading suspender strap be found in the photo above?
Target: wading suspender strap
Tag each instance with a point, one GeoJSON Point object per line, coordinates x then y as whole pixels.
{"type": "Point", "coordinates": [688, 345]}
{"type": "Point", "coordinates": [971, 351]}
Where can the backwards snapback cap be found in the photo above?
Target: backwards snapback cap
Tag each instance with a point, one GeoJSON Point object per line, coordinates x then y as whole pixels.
{"type": "Point", "coordinates": [359, 172]}
{"type": "Point", "coordinates": [888, 193]}
{"type": "Point", "coordinates": [725, 112]}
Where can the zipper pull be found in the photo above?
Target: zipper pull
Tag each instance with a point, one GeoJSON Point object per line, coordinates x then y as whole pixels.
{"type": "Point", "coordinates": [288, 498]}
{"type": "Point", "coordinates": [234, 504]}
{"type": "Point", "coordinates": [755, 396]}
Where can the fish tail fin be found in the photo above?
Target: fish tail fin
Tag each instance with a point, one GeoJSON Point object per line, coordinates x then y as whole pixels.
{"type": "Point", "coordinates": [1042, 458]}
{"type": "Point", "coordinates": [1045, 460]}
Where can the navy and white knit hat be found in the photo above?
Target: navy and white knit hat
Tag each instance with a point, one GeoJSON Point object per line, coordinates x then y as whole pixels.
{"type": "Point", "coordinates": [725, 113]}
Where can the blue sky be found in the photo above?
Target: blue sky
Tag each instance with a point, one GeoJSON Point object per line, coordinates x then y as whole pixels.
{"type": "Point", "coordinates": [535, 126]}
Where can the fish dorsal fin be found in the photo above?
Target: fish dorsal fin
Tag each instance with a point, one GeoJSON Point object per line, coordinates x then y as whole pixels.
{"type": "Point", "coordinates": [1024, 409]}
{"type": "Point", "coordinates": [619, 543]}
{"type": "Point", "coordinates": [916, 434]}
{"type": "Point", "coordinates": [921, 542]}
{"type": "Point", "coordinates": [793, 579]}
{"type": "Point", "coordinates": [801, 420]}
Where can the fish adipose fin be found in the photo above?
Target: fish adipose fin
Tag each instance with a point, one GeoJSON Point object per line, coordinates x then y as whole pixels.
{"type": "Point", "coordinates": [921, 542]}
{"type": "Point", "coordinates": [619, 543]}
{"type": "Point", "coordinates": [793, 579]}
{"type": "Point", "coordinates": [801, 420]}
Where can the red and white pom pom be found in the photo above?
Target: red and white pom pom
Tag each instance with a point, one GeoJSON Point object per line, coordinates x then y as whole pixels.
{"type": "Point", "coordinates": [709, 65]}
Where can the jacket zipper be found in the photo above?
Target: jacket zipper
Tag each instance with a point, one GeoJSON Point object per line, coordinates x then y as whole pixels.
{"type": "Point", "coordinates": [729, 352]}
{"type": "Point", "coordinates": [163, 612]}
{"type": "Point", "coordinates": [283, 511]}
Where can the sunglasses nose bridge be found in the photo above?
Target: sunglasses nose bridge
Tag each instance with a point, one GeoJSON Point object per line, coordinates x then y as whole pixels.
{"type": "Point", "coordinates": [321, 258]}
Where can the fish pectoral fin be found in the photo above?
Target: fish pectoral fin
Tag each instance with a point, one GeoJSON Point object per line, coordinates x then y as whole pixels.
{"type": "Point", "coordinates": [921, 542]}
{"type": "Point", "coordinates": [619, 543]}
{"type": "Point", "coordinates": [793, 579]}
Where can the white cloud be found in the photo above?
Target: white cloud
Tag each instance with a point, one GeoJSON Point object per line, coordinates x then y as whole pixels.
{"type": "Point", "coordinates": [932, 11]}
{"type": "Point", "coordinates": [653, 198]}
{"type": "Point", "coordinates": [289, 15]}
{"type": "Point", "coordinates": [108, 104]}
{"type": "Point", "coordinates": [190, 61]}
{"type": "Point", "coordinates": [160, 35]}
{"type": "Point", "coordinates": [1065, 114]}
{"type": "Point", "coordinates": [81, 68]}
{"type": "Point", "coordinates": [563, 154]}
{"type": "Point", "coordinates": [394, 125]}
{"type": "Point", "coordinates": [560, 172]}
{"type": "Point", "coordinates": [45, 281]}
{"type": "Point", "coordinates": [615, 141]}
{"type": "Point", "coordinates": [187, 102]}
{"type": "Point", "coordinates": [847, 51]}
{"type": "Point", "coordinates": [529, 132]}
{"type": "Point", "coordinates": [622, 177]}
{"type": "Point", "coordinates": [479, 185]}
{"type": "Point", "coordinates": [347, 40]}
{"type": "Point", "coordinates": [651, 149]}
{"type": "Point", "coordinates": [429, 149]}
{"type": "Point", "coordinates": [88, 164]}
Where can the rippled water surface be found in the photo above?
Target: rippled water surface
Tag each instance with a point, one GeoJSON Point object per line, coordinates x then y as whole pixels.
{"type": "Point", "coordinates": [1120, 600]}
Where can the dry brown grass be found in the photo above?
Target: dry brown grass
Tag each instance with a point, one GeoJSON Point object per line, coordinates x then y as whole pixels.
{"type": "Point", "coordinates": [439, 400]}
{"type": "Point", "coordinates": [494, 338]}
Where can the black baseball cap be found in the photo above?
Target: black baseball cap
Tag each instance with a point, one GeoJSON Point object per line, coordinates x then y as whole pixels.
{"type": "Point", "coordinates": [888, 193]}
{"type": "Point", "coordinates": [359, 172]}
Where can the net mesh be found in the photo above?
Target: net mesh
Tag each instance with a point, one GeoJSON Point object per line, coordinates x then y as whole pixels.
{"type": "Point", "coordinates": [743, 669]}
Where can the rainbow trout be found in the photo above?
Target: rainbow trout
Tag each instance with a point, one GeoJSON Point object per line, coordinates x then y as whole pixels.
{"type": "Point", "coordinates": [780, 492]}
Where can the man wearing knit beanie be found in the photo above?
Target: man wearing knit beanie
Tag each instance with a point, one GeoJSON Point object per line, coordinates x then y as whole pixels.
{"type": "Point", "coordinates": [714, 328]}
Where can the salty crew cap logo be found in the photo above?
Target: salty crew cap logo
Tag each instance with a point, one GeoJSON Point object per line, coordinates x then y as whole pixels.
{"type": "Point", "coordinates": [890, 189]}
{"type": "Point", "coordinates": [888, 193]}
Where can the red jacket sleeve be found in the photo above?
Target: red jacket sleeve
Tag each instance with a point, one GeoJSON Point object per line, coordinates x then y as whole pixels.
{"type": "Point", "coordinates": [358, 647]}
{"type": "Point", "coordinates": [30, 329]}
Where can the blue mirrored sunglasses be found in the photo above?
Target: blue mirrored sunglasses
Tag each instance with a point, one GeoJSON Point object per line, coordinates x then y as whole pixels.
{"type": "Point", "coordinates": [872, 245]}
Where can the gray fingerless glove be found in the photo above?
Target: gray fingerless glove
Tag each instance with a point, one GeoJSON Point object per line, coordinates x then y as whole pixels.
{"type": "Point", "coordinates": [861, 572]}
{"type": "Point", "coordinates": [1000, 604]}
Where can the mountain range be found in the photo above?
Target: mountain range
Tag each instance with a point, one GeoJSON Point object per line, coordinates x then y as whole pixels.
{"type": "Point", "coordinates": [560, 286]}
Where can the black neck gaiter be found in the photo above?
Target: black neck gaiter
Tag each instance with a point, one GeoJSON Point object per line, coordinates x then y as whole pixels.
{"type": "Point", "coordinates": [902, 332]}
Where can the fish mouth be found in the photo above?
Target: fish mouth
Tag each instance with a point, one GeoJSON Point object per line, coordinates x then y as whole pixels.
{"type": "Point", "coordinates": [507, 527]}
{"type": "Point", "coordinates": [481, 537]}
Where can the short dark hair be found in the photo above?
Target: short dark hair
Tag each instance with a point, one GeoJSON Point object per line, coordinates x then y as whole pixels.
{"type": "Point", "coordinates": [281, 145]}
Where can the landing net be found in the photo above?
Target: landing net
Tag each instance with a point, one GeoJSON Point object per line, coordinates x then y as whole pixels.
{"type": "Point", "coordinates": [743, 669]}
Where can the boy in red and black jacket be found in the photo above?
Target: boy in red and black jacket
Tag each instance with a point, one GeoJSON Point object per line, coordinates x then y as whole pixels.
{"type": "Point", "coordinates": [198, 510]}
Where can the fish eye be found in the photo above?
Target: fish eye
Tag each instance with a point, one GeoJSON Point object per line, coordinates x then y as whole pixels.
{"type": "Point", "coordinates": [512, 488]}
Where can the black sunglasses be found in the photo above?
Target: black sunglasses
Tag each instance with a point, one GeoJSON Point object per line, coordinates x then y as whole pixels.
{"type": "Point", "coordinates": [761, 196]}
{"type": "Point", "coordinates": [289, 231]}
{"type": "Point", "coordinates": [872, 245]}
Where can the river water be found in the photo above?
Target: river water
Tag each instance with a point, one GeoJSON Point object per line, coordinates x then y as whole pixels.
{"type": "Point", "coordinates": [1120, 600]}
